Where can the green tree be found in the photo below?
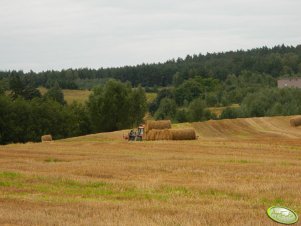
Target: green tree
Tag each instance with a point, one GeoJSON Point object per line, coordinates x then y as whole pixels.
{"type": "Point", "coordinates": [55, 93]}
{"type": "Point", "coordinates": [272, 101]}
{"type": "Point", "coordinates": [30, 93]}
{"type": "Point", "coordinates": [182, 115]}
{"type": "Point", "coordinates": [196, 110]}
{"type": "Point", "coordinates": [138, 106]}
{"type": "Point", "coordinates": [16, 86]}
{"type": "Point", "coordinates": [188, 91]}
{"type": "Point", "coordinates": [50, 117]}
{"type": "Point", "coordinates": [110, 107]}
{"type": "Point", "coordinates": [177, 79]}
{"type": "Point", "coordinates": [6, 124]}
{"type": "Point", "coordinates": [163, 93]}
{"type": "Point", "coordinates": [230, 113]}
{"type": "Point", "coordinates": [167, 109]}
{"type": "Point", "coordinates": [80, 120]}
{"type": "Point", "coordinates": [22, 88]}
{"type": "Point", "coordinates": [3, 86]}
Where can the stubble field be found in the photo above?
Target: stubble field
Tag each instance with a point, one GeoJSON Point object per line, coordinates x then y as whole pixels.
{"type": "Point", "coordinates": [229, 176]}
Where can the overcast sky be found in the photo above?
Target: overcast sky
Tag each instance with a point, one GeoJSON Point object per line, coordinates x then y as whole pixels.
{"type": "Point", "coordinates": [57, 34]}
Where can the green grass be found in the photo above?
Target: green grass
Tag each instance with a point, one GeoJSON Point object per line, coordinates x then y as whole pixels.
{"type": "Point", "coordinates": [10, 179]}
{"type": "Point", "coordinates": [51, 188]}
{"type": "Point", "coordinates": [9, 175]}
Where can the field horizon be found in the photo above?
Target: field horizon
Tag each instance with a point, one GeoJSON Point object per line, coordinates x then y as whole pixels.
{"type": "Point", "coordinates": [229, 176]}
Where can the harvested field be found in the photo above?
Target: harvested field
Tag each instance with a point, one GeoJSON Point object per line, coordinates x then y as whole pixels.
{"type": "Point", "coordinates": [71, 95]}
{"type": "Point", "coordinates": [229, 176]}
{"type": "Point", "coordinates": [256, 128]}
{"type": "Point", "coordinates": [82, 96]}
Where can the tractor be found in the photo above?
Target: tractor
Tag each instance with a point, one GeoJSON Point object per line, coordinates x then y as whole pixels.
{"type": "Point", "coordinates": [135, 135]}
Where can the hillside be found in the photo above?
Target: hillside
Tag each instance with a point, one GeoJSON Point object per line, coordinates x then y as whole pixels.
{"type": "Point", "coordinates": [243, 128]}
{"type": "Point", "coordinates": [264, 127]}
{"type": "Point", "coordinates": [229, 176]}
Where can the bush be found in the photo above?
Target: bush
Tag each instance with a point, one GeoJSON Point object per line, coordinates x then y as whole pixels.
{"type": "Point", "coordinates": [196, 110]}
{"type": "Point", "coordinates": [55, 93]}
{"type": "Point", "coordinates": [271, 102]}
{"type": "Point", "coordinates": [182, 115]}
{"type": "Point", "coordinates": [167, 109]}
{"type": "Point", "coordinates": [230, 113]}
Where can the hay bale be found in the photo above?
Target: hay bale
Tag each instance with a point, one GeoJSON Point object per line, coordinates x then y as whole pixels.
{"type": "Point", "coordinates": [166, 134]}
{"type": "Point", "coordinates": [296, 121]}
{"type": "Point", "coordinates": [46, 138]}
{"type": "Point", "coordinates": [151, 135]}
{"type": "Point", "coordinates": [156, 134]}
{"type": "Point", "coordinates": [161, 124]}
{"type": "Point", "coordinates": [183, 134]}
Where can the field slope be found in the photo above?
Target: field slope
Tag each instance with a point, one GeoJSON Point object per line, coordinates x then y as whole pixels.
{"type": "Point", "coordinates": [265, 127]}
{"type": "Point", "coordinates": [229, 176]}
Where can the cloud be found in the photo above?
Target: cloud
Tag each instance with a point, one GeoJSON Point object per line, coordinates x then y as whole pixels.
{"type": "Point", "coordinates": [56, 34]}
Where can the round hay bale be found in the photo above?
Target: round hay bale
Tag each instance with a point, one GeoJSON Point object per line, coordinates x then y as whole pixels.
{"type": "Point", "coordinates": [156, 134]}
{"type": "Point", "coordinates": [151, 135]}
{"type": "Point", "coordinates": [166, 135]}
{"type": "Point", "coordinates": [183, 134]}
{"type": "Point", "coordinates": [46, 138]}
{"type": "Point", "coordinates": [161, 124]}
{"type": "Point", "coordinates": [296, 121]}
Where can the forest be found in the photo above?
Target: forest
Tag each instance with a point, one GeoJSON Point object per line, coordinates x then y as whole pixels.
{"type": "Point", "coordinates": [185, 90]}
{"type": "Point", "coordinates": [277, 61]}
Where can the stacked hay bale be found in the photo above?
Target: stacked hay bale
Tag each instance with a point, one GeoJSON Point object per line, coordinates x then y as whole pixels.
{"type": "Point", "coordinates": [157, 134]}
{"type": "Point", "coordinates": [161, 124]}
{"type": "Point", "coordinates": [150, 135]}
{"type": "Point", "coordinates": [296, 121]}
{"type": "Point", "coordinates": [156, 130]}
{"type": "Point", "coordinates": [166, 134]}
{"type": "Point", "coordinates": [46, 138]}
{"type": "Point", "coordinates": [161, 130]}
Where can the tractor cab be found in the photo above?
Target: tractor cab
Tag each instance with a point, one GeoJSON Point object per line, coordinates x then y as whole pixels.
{"type": "Point", "coordinates": [141, 130]}
{"type": "Point", "coordinates": [140, 133]}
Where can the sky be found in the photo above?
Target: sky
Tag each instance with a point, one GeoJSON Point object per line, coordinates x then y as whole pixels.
{"type": "Point", "coordinates": [60, 34]}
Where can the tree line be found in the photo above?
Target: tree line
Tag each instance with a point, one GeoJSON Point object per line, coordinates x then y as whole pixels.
{"type": "Point", "coordinates": [257, 94]}
{"type": "Point", "coordinates": [276, 61]}
{"type": "Point", "coordinates": [26, 115]}
{"type": "Point", "coordinates": [267, 102]}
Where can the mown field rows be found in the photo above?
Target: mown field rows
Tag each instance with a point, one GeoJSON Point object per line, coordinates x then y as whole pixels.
{"type": "Point", "coordinates": [229, 176]}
